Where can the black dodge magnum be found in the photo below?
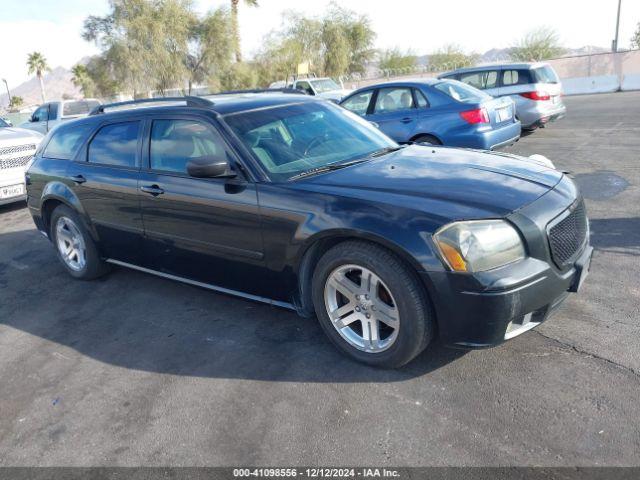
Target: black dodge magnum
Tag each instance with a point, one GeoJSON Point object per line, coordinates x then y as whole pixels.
{"type": "Point", "coordinates": [296, 202]}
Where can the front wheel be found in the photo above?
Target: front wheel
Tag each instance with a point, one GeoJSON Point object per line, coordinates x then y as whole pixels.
{"type": "Point", "coordinates": [371, 305]}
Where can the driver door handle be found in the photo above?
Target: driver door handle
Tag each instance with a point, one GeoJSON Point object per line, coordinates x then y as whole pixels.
{"type": "Point", "coordinates": [407, 120]}
{"type": "Point", "coordinates": [154, 190]}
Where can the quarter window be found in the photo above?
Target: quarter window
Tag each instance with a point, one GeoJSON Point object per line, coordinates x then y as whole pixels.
{"type": "Point", "coordinates": [393, 99]}
{"type": "Point", "coordinates": [66, 141]}
{"type": "Point", "coordinates": [115, 144]}
{"type": "Point", "coordinates": [175, 142]}
{"type": "Point", "coordinates": [359, 103]}
{"type": "Point", "coordinates": [421, 100]}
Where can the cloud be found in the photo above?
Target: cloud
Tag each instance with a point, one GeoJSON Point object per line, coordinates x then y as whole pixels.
{"type": "Point", "coordinates": [60, 43]}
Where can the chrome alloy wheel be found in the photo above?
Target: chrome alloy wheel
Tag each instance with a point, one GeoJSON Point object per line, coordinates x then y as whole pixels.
{"type": "Point", "coordinates": [71, 244]}
{"type": "Point", "coordinates": [361, 308]}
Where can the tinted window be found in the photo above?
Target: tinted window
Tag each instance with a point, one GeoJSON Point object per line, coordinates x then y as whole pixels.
{"type": "Point", "coordinates": [421, 100]}
{"type": "Point", "coordinates": [481, 80]}
{"type": "Point", "coordinates": [80, 107]}
{"type": "Point", "coordinates": [294, 138]}
{"type": "Point", "coordinates": [461, 92]}
{"type": "Point", "coordinates": [115, 144]}
{"type": "Point", "coordinates": [175, 142]}
{"type": "Point", "coordinates": [515, 77]}
{"type": "Point", "coordinates": [545, 74]}
{"type": "Point", "coordinates": [66, 140]}
{"type": "Point", "coordinates": [41, 114]}
{"type": "Point", "coordinates": [359, 103]}
{"type": "Point", "coordinates": [393, 99]}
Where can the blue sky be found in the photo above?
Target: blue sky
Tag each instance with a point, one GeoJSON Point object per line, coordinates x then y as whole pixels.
{"type": "Point", "coordinates": [53, 26]}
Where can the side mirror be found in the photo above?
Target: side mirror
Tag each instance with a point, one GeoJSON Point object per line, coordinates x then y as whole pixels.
{"type": "Point", "coordinates": [208, 167]}
{"type": "Point", "coordinates": [32, 118]}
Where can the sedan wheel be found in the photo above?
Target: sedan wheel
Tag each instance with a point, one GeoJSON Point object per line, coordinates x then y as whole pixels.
{"type": "Point", "coordinates": [361, 308]}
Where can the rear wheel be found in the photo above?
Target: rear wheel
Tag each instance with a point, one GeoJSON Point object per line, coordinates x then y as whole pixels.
{"type": "Point", "coordinates": [427, 140]}
{"type": "Point", "coordinates": [371, 305]}
{"type": "Point", "coordinates": [74, 246]}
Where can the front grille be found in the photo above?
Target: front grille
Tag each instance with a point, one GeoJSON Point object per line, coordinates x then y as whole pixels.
{"type": "Point", "coordinates": [568, 235]}
{"type": "Point", "coordinates": [15, 162]}
{"type": "Point", "coordinates": [16, 149]}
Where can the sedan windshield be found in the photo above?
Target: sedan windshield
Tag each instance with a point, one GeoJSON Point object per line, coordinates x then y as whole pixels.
{"type": "Point", "coordinates": [324, 85]}
{"type": "Point", "coordinates": [292, 139]}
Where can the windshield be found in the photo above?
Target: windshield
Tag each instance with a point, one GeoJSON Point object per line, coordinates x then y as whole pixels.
{"type": "Point", "coordinates": [291, 139]}
{"type": "Point", "coordinates": [80, 107]}
{"type": "Point", "coordinates": [324, 85]}
{"type": "Point", "coordinates": [545, 74]}
{"type": "Point", "coordinates": [461, 92]}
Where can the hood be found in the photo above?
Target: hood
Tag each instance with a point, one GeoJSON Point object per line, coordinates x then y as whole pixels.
{"type": "Point", "coordinates": [447, 182]}
{"type": "Point", "coordinates": [336, 95]}
{"type": "Point", "coordinates": [12, 136]}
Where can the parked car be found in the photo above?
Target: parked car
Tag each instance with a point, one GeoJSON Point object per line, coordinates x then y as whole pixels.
{"type": "Point", "coordinates": [534, 87]}
{"type": "Point", "coordinates": [439, 112]}
{"type": "Point", "coordinates": [50, 114]}
{"type": "Point", "coordinates": [17, 147]}
{"type": "Point", "coordinates": [299, 203]}
{"type": "Point", "coordinates": [324, 87]}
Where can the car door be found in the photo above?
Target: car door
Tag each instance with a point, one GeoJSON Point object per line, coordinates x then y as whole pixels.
{"type": "Point", "coordinates": [394, 112]}
{"type": "Point", "coordinates": [203, 229]}
{"type": "Point", "coordinates": [104, 177]}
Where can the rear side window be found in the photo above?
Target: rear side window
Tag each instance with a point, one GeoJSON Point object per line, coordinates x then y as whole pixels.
{"type": "Point", "coordinates": [515, 77]}
{"type": "Point", "coordinates": [80, 107]}
{"type": "Point", "coordinates": [359, 103]}
{"type": "Point", "coordinates": [545, 74]}
{"type": "Point", "coordinates": [66, 140]}
{"type": "Point", "coordinates": [115, 144]}
{"type": "Point", "coordinates": [175, 142]}
{"type": "Point", "coordinates": [481, 80]}
{"type": "Point", "coordinates": [461, 92]}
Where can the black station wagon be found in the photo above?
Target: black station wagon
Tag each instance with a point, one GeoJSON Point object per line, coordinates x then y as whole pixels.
{"type": "Point", "coordinates": [299, 203]}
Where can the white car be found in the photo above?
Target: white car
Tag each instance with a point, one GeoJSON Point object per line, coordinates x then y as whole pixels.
{"type": "Point", "coordinates": [50, 114]}
{"type": "Point", "coordinates": [17, 147]}
{"type": "Point", "coordinates": [321, 87]}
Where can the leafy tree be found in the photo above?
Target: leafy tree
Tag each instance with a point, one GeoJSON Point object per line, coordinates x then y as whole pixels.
{"type": "Point", "coordinates": [395, 59]}
{"type": "Point", "coordinates": [239, 76]}
{"type": "Point", "coordinates": [635, 40]}
{"type": "Point", "coordinates": [235, 26]}
{"type": "Point", "coordinates": [36, 63]}
{"type": "Point", "coordinates": [210, 48]}
{"type": "Point", "coordinates": [356, 43]}
{"type": "Point", "coordinates": [451, 56]}
{"type": "Point", "coordinates": [82, 80]}
{"type": "Point", "coordinates": [538, 44]}
{"type": "Point", "coordinates": [16, 102]}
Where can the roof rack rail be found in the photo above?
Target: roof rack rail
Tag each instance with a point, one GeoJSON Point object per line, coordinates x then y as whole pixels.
{"type": "Point", "coordinates": [189, 101]}
{"type": "Point", "coordinates": [261, 90]}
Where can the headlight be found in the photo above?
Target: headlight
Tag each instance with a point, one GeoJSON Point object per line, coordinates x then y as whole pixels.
{"type": "Point", "coordinates": [479, 245]}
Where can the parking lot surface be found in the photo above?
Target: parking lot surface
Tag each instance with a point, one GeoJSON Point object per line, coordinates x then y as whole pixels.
{"type": "Point", "coordinates": [138, 370]}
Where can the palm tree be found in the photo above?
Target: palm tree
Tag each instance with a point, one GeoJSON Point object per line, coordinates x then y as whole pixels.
{"type": "Point", "coordinates": [36, 63]}
{"type": "Point", "coordinates": [234, 25]}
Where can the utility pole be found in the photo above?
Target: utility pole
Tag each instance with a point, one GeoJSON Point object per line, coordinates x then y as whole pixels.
{"type": "Point", "coordinates": [8, 93]}
{"type": "Point", "coordinates": [614, 44]}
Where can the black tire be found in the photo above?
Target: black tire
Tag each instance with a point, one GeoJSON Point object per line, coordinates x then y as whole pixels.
{"type": "Point", "coordinates": [415, 317]}
{"type": "Point", "coordinates": [427, 139]}
{"type": "Point", "coordinates": [94, 267]}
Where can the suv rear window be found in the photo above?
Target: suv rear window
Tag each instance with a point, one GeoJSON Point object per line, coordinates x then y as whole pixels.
{"type": "Point", "coordinates": [66, 140]}
{"type": "Point", "coordinates": [80, 107]}
{"type": "Point", "coordinates": [461, 92]}
{"type": "Point", "coordinates": [545, 74]}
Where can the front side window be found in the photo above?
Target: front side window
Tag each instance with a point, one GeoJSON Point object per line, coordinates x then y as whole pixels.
{"type": "Point", "coordinates": [305, 87]}
{"type": "Point", "coordinates": [66, 140]}
{"type": "Point", "coordinates": [176, 142]}
{"type": "Point", "coordinates": [41, 114]}
{"type": "Point", "coordinates": [115, 144]}
{"type": "Point", "coordinates": [3, 123]}
{"type": "Point", "coordinates": [291, 139]}
{"type": "Point", "coordinates": [481, 80]}
{"type": "Point", "coordinates": [393, 99]}
{"type": "Point", "coordinates": [461, 92]}
{"type": "Point", "coordinates": [359, 103]}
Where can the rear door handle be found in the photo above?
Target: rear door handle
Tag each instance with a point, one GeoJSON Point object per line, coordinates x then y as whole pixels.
{"type": "Point", "coordinates": [407, 120]}
{"type": "Point", "coordinates": [154, 190]}
{"type": "Point", "coordinates": [78, 179]}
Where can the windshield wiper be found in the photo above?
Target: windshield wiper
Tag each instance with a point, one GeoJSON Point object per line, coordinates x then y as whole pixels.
{"type": "Point", "coordinates": [384, 151]}
{"type": "Point", "coordinates": [326, 168]}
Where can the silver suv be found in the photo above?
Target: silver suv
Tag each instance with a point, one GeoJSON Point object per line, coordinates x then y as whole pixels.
{"type": "Point", "coordinates": [534, 87]}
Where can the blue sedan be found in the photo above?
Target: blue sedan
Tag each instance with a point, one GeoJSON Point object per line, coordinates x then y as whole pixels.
{"type": "Point", "coordinates": [440, 112]}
